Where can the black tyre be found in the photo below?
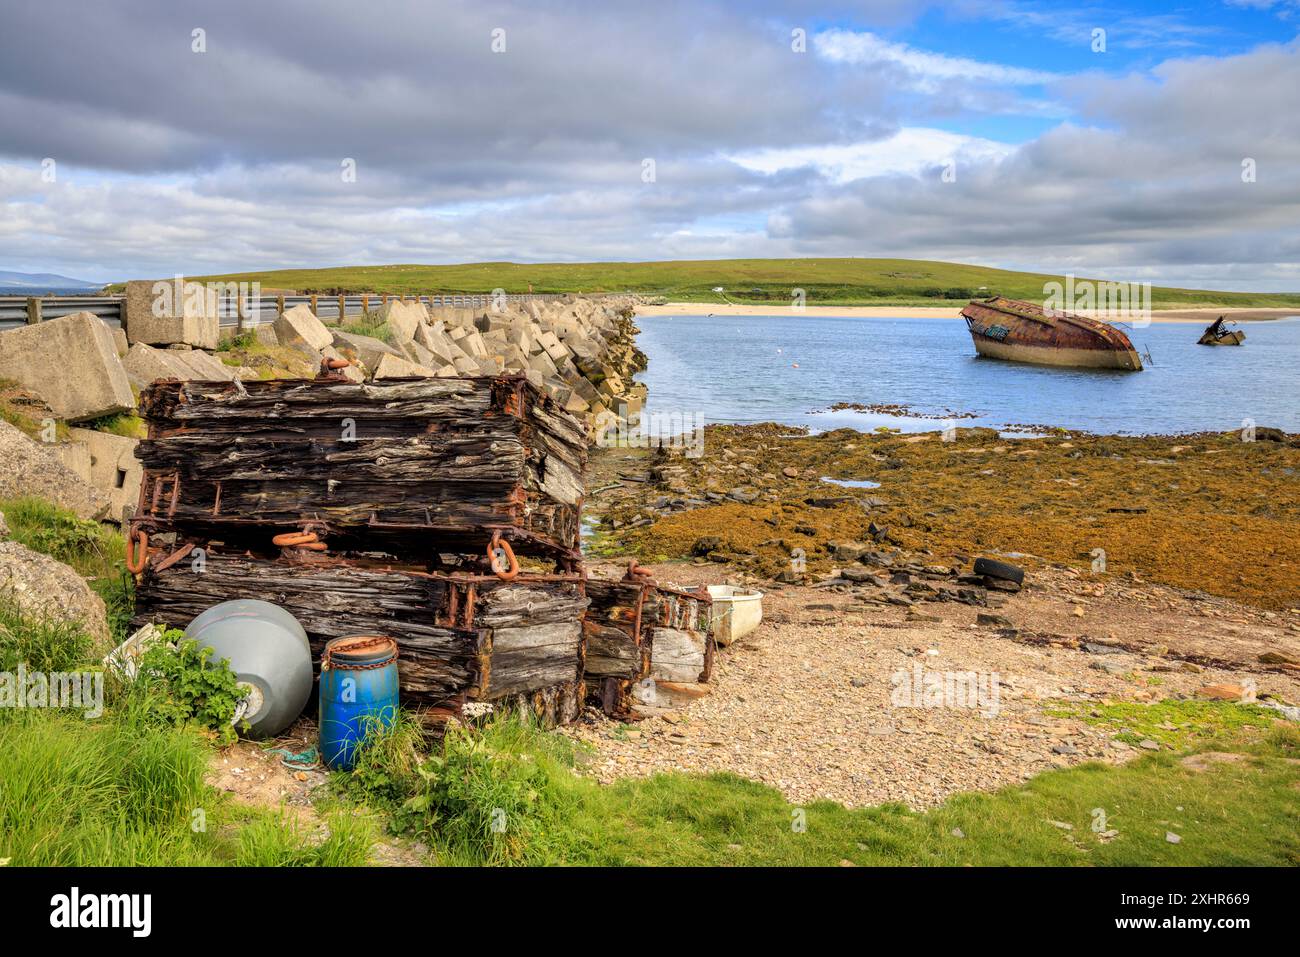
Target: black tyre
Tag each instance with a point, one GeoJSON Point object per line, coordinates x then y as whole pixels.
{"type": "Point", "coordinates": [991, 568]}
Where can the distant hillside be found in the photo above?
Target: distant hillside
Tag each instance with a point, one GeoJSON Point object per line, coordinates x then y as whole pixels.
{"type": "Point", "coordinates": [825, 281]}
{"type": "Point", "coordinates": [38, 283]}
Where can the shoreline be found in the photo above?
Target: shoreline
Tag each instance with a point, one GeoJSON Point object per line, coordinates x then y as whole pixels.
{"type": "Point", "coordinates": [1190, 315]}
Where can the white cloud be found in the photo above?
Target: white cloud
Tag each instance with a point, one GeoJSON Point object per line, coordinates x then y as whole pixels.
{"type": "Point", "coordinates": [910, 151]}
{"type": "Point", "coordinates": [927, 70]}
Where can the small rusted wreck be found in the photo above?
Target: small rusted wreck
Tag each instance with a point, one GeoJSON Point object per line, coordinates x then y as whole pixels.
{"type": "Point", "coordinates": [1217, 333]}
{"type": "Point", "coordinates": [1021, 331]}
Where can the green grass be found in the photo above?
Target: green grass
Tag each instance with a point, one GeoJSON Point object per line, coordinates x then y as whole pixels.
{"type": "Point", "coordinates": [281, 840]}
{"type": "Point", "coordinates": [94, 550]}
{"type": "Point", "coordinates": [825, 281]}
{"type": "Point", "coordinates": [369, 326]}
{"type": "Point", "coordinates": [1231, 813]}
{"type": "Point", "coordinates": [127, 788]}
{"type": "Point", "coordinates": [1172, 723]}
{"type": "Point", "coordinates": [127, 424]}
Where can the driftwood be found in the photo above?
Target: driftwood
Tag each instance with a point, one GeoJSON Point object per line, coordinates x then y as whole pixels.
{"type": "Point", "coordinates": [393, 465]}
{"type": "Point", "coordinates": [459, 636]}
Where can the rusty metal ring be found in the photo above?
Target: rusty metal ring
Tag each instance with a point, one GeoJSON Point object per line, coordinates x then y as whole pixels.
{"type": "Point", "coordinates": [295, 539]}
{"type": "Point", "coordinates": [512, 569]}
{"type": "Point", "coordinates": [138, 557]}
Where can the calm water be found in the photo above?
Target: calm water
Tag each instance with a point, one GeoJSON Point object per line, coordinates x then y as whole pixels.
{"type": "Point", "coordinates": [781, 369]}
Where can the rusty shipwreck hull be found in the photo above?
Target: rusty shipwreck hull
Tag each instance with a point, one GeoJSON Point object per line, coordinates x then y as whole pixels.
{"type": "Point", "coordinates": [1024, 332]}
{"type": "Point", "coordinates": [1218, 334]}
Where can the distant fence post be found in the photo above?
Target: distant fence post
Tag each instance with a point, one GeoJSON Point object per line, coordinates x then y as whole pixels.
{"type": "Point", "coordinates": [279, 305]}
{"type": "Point", "coordinates": [241, 315]}
{"type": "Point", "coordinates": [343, 308]}
{"type": "Point", "coordinates": [365, 305]}
{"type": "Point", "coordinates": [383, 299]}
{"type": "Point", "coordinates": [33, 310]}
{"type": "Point", "coordinates": [313, 306]}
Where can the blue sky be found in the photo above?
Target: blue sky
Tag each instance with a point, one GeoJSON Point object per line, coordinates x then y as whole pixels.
{"type": "Point", "coordinates": [975, 131]}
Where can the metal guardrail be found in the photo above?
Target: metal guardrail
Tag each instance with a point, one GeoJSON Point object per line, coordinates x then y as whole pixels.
{"type": "Point", "coordinates": [14, 309]}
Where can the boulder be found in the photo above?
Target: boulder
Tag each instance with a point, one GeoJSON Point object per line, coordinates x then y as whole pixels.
{"type": "Point", "coordinates": [71, 363]}
{"type": "Point", "coordinates": [167, 313]}
{"type": "Point", "coordinates": [145, 364]}
{"type": "Point", "coordinates": [403, 318]}
{"type": "Point", "coordinates": [203, 366]}
{"type": "Point", "coordinates": [395, 367]}
{"type": "Point", "coordinates": [107, 463]}
{"type": "Point", "coordinates": [435, 339]}
{"type": "Point", "coordinates": [44, 588]}
{"type": "Point", "coordinates": [299, 328]}
{"type": "Point", "coordinates": [365, 349]}
{"type": "Point", "coordinates": [35, 468]}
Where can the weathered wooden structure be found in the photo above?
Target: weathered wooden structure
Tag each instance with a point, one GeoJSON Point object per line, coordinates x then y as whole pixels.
{"type": "Point", "coordinates": [402, 466]}
{"type": "Point", "coordinates": [462, 637]}
{"type": "Point", "coordinates": [645, 642]}
{"type": "Point", "coordinates": [391, 508]}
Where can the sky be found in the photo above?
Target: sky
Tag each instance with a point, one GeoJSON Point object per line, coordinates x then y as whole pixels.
{"type": "Point", "coordinates": [1140, 142]}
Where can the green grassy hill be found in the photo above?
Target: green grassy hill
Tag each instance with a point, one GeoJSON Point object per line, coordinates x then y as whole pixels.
{"type": "Point", "coordinates": [825, 281]}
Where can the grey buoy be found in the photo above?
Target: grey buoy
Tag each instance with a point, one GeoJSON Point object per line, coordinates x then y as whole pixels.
{"type": "Point", "coordinates": [269, 654]}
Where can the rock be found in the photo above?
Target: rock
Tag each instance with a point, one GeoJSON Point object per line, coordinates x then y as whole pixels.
{"type": "Point", "coordinates": [1173, 838]}
{"type": "Point", "coordinates": [34, 468]}
{"type": "Point", "coordinates": [1147, 744]}
{"type": "Point", "coordinates": [299, 328]}
{"type": "Point", "coordinates": [703, 546]}
{"type": "Point", "coordinates": [440, 345]}
{"type": "Point", "coordinates": [1110, 667]}
{"type": "Point", "coordinates": [790, 472]}
{"type": "Point", "coordinates": [364, 349]}
{"type": "Point", "coordinates": [71, 363]}
{"type": "Point", "coordinates": [1000, 584]}
{"type": "Point", "coordinates": [1093, 648]}
{"type": "Point", "coordinates": [1222, 692]}
{"type": "Point", "coordinates": [395, 367]}
{"type": "Point", "coordinates": [993, 621]}
{"type": "Point", "coordinates": [1064, 749]}
{"type": "Point", "coordinates": [45, 588]}
{"type": "Point", "coordinates": [858, 574]}
{"type": "Point", "coordinates": [1275, 658]}
{"type": "Point", "coordinates": [144, 365]}
{"type": "Point", "coordinates": [108, 464]}
{"type": "Point", "coordinates": [160, 314]}
{"type": "Point", "coordinates": [743, 495]}
{"type": "Point", "coordinates": [403, 319]}
{"type": "Point", "coordinates": [958, 832]}
{"type": "Point", "coordinates": [204, 367]}
{"type": "Point", "coordinates": [4, 527]}
{"type": "Point", "coordinates": [849, 551]}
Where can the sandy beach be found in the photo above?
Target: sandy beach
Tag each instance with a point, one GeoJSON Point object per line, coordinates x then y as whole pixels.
{"type": "Point", "coordinates": [1202, 314]}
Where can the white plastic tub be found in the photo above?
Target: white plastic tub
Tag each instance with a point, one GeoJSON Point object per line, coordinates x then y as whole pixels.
{"type": "Point", "coordinates": [736, 612]}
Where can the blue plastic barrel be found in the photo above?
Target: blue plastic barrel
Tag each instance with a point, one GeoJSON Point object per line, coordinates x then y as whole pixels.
{"type": "Point", "coordinates": [358, 694]}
